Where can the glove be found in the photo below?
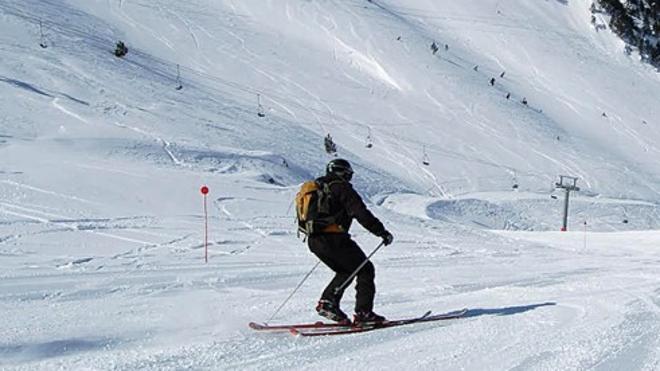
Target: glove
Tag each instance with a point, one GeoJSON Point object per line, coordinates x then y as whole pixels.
{"type": "Point", "coordinates": [387, 238]}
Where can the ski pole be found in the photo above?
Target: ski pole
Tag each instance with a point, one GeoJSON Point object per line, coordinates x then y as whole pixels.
{"type": "Point", "coordinates": [294, 291]}
{"type": "Point", "coordinates": [350, 278]}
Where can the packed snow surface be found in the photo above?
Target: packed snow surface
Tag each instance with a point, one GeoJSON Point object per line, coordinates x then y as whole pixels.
{"type": "Point", "coordinates": [102, 158]}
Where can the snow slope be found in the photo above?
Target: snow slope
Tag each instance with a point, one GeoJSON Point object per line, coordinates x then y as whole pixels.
{"type": "Point", "coordinates": [101, 160]}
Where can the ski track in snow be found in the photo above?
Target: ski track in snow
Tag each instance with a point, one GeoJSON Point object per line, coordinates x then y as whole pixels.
{"type": "Point", "coordinates": [101, 220]}
{"type": "Point", "coordinates": [39, 216]}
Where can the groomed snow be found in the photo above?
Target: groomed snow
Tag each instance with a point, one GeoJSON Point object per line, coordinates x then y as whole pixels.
{"type": "Point", "coordinates": [101, 161]}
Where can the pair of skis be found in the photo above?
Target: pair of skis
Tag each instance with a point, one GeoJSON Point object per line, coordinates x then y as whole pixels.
{"type": "Point", "coordinates": [325, 329]}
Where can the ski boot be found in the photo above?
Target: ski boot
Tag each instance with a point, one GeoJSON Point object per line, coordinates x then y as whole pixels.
{"type": "Point", "coordinates": [367, 318]}
{"type": "Point", "coordinates": [331, 311]}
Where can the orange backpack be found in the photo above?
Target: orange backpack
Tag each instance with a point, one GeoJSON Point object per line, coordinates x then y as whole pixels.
{"type": "Point", "coordinates": [313, 209]}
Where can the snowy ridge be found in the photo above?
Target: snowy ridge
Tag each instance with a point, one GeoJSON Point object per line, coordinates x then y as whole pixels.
{"type": "Point", "coordinates": [101, 160]}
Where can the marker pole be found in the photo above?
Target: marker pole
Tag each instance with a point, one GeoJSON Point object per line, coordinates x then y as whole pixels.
{"type": "Point", "coordinates": [205, 191]}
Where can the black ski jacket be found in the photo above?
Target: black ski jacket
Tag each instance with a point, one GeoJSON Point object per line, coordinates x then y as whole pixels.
{"type": "Point", "coordinates": [346, 204]}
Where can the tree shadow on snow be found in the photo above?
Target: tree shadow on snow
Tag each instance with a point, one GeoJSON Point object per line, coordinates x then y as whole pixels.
{"type": "Point", "coordinates": [505, 311]}
{"type": "Point", "coordinates": [19, 353]}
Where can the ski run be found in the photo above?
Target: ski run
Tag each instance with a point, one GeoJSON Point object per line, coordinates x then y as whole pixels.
{"type": "Point", "coordinates": [458, 119]}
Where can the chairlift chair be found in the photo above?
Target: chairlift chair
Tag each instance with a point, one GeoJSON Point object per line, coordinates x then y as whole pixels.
{"type": "Point", "coordinates": [260, 108]}
{"type": "Point", "coordinates": [329, 145]}
{"type": "Point", "coordinates": [178, 78]}
{"type": "Point", "coordinates": [425, 158]}
{"type": "Point", "coordinates": [514, 181]}
{"type": "Point", "coordinates": [42, 42]}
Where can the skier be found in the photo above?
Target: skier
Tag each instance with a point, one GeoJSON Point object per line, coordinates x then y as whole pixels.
{"type": "Point", "coordinates": [335, 248]}
{"type": "Point", "coordinates": [492, 81]}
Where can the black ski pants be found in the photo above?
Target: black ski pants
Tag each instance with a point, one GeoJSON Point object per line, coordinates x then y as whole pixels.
{"type": "Point", "coordinates": [341, 254]}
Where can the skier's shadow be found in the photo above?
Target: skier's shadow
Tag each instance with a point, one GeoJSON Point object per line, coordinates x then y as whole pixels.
{"type": "Point", "coordinates": [505, 311]}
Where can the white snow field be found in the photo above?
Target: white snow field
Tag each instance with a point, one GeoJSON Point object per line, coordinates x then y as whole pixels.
{"type": "Point", "coordinates": [101, 161]}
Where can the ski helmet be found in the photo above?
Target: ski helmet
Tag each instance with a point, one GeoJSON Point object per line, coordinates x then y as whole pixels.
{"type": "Point", "coordinates": [340, 168]}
